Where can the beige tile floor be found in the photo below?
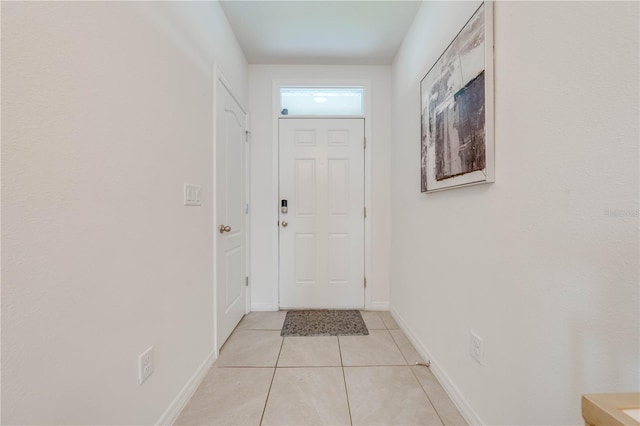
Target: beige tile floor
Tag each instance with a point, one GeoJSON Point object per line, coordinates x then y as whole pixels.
{"type": "Point", "coordinates": [261, 378]}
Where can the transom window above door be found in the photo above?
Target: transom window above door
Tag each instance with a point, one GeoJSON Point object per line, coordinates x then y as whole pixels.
{"type": "Point", "coordinates": [321, 101]}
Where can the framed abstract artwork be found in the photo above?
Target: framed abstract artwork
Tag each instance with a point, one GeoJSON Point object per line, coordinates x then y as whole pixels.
{"type": "Point", "coordinates": [457, 138]}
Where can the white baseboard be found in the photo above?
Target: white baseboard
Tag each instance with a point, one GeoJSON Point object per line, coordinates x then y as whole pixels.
{"type": "Point", "coordinates": [263, 307]}
{"type": "Point", "coordinates": [452, 390]}
{"type": "Point", "coordinates": [379, 306]}
{"type": "Point", "coordinates": [175, 408]}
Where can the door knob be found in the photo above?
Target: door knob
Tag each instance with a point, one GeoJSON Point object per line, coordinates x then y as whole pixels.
{"type": "Point", "coordinates": [285, 223]}
{"type": "Point", "coordinates": [224, 229]}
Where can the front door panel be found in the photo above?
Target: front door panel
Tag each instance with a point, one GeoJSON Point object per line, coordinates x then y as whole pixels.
{"type": "Point", "coordinates": [322, 244]}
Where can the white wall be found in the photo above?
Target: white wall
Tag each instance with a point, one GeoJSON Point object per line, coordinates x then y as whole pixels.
{"type": "Point", "coordinates": [264, 293]}
{"type": "Point", "coordinates": [106, 113]}
{"type": "Point", "coordinates": [536, 263]}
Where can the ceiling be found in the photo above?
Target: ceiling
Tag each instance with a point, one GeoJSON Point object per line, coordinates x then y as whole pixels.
{"type": "Point", "coordinates": [338, 32]}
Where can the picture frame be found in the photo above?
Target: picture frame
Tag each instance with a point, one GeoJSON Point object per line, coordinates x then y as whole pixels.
{"type": "Point", "coordinates": [457, 109]}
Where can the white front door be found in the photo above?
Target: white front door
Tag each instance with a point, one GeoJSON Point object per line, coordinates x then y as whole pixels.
{"type": "Point", "coordinates": [230, 213]}
{"type": "Point", "coordinates": [322, 232]}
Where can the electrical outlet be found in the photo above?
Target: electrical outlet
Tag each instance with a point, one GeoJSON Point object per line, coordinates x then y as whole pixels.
{"type": "Point", "coordinates": [145, 365]}
{"type": "Point", "coordinates": [192, 195]}
{"type": "Point", "coordinates": [475, 347]}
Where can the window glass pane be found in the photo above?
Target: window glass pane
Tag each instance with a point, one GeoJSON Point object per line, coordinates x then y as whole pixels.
{"type": "Point", "coordinates": [321, 100]}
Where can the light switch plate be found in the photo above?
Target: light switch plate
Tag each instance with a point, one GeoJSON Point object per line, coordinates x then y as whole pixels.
{"type": "Point", "coordinates": [192, 195]}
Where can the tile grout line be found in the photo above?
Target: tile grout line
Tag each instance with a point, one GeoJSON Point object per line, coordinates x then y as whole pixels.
{"type": "Point", "coordinates": [414, 374]}
{"type": "Point", "coordinates": [416, 377]}
{"type": "Point", "coordinates": [372, 365]}
{"type": "Point", "coordinates": [231, 367]}
{"type": "Point", "coordinates": [257, 329]}
{"type": "Point", "coordinates": [275, 368]}
{"type": "Point", "coordinates": [346, 391]}
{"type": "Point", "coordinates": [398, 346]}
{"type": "Point", "coordinates": [427, 395]}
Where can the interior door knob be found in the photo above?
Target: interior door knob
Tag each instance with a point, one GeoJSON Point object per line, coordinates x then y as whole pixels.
{"type": "Point", "coordinates": [224, 229]}
{"type": "Point", "coordinates": [285, 223]}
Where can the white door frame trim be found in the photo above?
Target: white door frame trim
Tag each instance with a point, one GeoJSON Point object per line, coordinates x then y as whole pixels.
{"type": "Point", "coordinates": [368, 118]}
{"type": "Point", "coordinates": [218, 76]}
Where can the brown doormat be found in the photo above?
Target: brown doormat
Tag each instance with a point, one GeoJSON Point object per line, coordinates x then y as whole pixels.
{"type": "Point", "coordinates": [324, 323]}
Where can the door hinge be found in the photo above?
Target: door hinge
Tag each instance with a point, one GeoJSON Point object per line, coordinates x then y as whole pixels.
{"type": "Point", "coordinates": [365, 282]}
{"type": "Point", "coordinates": [247, 134]}
{"type": "Point", "coordinates": [365, 142]}
{"type": "Point", "coordinates": [246, 209]}
{"type": "Point", "coordinates": [246, 281]}
{"type": "Point", "coordinates": [365, 212]}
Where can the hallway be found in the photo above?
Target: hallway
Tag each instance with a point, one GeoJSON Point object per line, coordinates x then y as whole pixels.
{"type": "Point", "coordinates": [124, 270]}
{"type": "Point", "coordinates": [262, 378]}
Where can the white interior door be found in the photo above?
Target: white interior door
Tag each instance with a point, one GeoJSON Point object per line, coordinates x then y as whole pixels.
{"type": "Point", "coordinates": [322, 232]}
{"type": "Point", "coordinates": [230, 213]}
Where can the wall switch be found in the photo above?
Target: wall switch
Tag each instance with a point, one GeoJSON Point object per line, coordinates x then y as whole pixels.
{"type": "Point", "coordinates": [475, 347]}
{"type": "Point", "coordinates": [145, 365]}
{"type": "Point", "coordinates": [192, 195]}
